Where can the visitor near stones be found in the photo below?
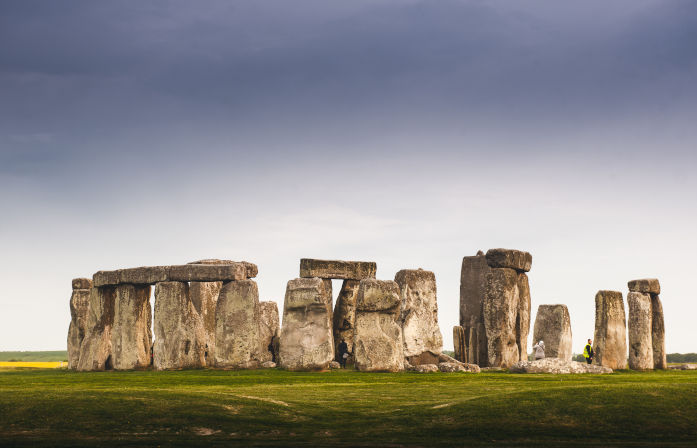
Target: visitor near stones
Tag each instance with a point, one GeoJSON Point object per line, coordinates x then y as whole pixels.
{"type": "Point", "coordinates": [588, 351]}
{"type": "Point", "coordinates": [539, 350]}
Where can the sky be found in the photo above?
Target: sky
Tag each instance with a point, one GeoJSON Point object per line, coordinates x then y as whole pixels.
{"type": "Point", "coordinates": [409, 133]}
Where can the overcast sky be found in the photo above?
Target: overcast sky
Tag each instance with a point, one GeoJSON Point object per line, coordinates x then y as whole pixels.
{"type": "Point", "coordinates": [410, 133]}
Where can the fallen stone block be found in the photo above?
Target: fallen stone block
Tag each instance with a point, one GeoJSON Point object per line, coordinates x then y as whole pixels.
{"type": "Point", "coordinates": [610, 340]}
{"type": "Point", "coordinates": [268, 365]}
{"type": "Point", "coordinates": [639, 328]}
{"type": "Point", "coordinates": [451, 367]}
{"type": "Point", "coordinates": [684, 367]}
{"type": "Point", "coordinates": [334, 365]}
{"type": "Point", "coordinates": [553, 326]}
{"type": "Point", "coordinates": [419, 311]}
{"type": "Point", "coordinates": [337, 269]}
{"type": "Point", "coordinates": [557, 366]}
{"type": "Point", "coordinates": [306, 342]}
{"type": "Point", "coordinates": [509, 258]}
{"type": "Point", "coordinates": [423, 368]}
{"type": "Point", "coordinates": [237, 315]}
{"type": "Point", "coordinates": [378, 345]}
{"type": "Point", "coordinates": [131, 336]}
{"type": "Point", "coordinates": [645, 285]}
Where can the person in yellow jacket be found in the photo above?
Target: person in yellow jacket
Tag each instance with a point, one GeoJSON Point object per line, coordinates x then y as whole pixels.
{"type": "Point", "coordinates": [588, 352]}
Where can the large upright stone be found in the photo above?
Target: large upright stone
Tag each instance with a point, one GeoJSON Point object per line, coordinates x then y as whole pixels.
{"type": "Point", "coordinates": [658, 333]}
{"type": "Point", "coordinates": [95, 351]}
{"type": "Point", "coordinates": [204, 296]}
{"type": "Point", "coordinates": [237, 326]}
{"type": "Point", "coordinates": [610, 341]}
{"type": "Point", "coordinates": [460, 344]}
{"type": "Point", "coordinates": [180, 338]}
{"type": "Point", "coordinates": [378, 345]}
{"type": "Point", "coordinates": [337, 269]}
{"type": "Point", "coordinates": [639, 329]}
{"type": "Point", "coordinates": [553, 326]}
{"type": "Point", "coordinates": [307, 342]}
{"type": "Point", "coordinates": [344, 318]}
{"type": "Point", "coordinates": [523, 318]}
{"type": "Point", "coordinates": [501, 303]}
{"type": "Point", "coordinates": [79, 309]}
{"type": "Point", "coordinates": [472, 288]}
{"type": "Point", "coordinates": [269, 331]}
{"type": "Point", "coordinates": [131, 336]}
{"type": "Point", "coordinates": [418, 314]}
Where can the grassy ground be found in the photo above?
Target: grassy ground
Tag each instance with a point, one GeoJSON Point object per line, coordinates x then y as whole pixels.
{"type": "Point", "coordinates": [273, 407]}
{"type": "Point", "coordinates": [59, 355]}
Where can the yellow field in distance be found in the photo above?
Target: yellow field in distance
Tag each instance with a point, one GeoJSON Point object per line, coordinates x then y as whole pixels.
{"type": "Point", "coordinates": [38, 365]}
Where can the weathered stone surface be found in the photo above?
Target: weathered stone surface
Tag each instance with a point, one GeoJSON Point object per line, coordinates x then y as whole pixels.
{"type": "Point", "coordinates": [378, 345]}
{"type": "Point", "coordinates": [658, 333]}
{"type": "Point", "coordinates": [557, 366]}
{"type": "Point", "coordinates": [337, 269]}
{"type": "Point", "coordinates": [269, 331]}
{"type": "Point", "coordinates": [146, 275]}
{"type": "Point", "coordinates": [472, 288]}
{"type": "Point", "coordinates": [180, 338]}
{"type": "Point", "coordinates": [450, 367]}
{"type": "Point", "coordinates": [268, 365]}
{"type": "Point", "coordinates": [252, 270]}
{"type": "Point", "coordinates": [334, 365]}
{"type": "Point", "coordinates": [426, 357]}
{"type": "Point", "coordinates": [418, 313]}
{"type": "Point", "coordinates": [79, 309]}
{"type": "Point", "coordinates": [237, 335]}
{"type": "Point", "coordinates": [639, 329]}
{"type": "Point", "coordinates": [105, 278]}
{"type": "Point", "coordinates": [460, 344]}
{"type": "Point", "coordinates": [95, 351]}
{"type": "Point", "coordinates": [553, 326]}
{"type": "Point", "coordinates": [523, 319]}
{"type": "Point", "coordinates": [204, 296]}
{"type": "Point", "coordinates": [610, 341]}
{"type": "Point", "coordinates": [501, 303]}
{"type": "Point", "coordinates": [306, 342]}
{"type": "Point", "coordinates": [207, 272]}
{"type": "Point", "coordinates": [344, 317]}
{"type": "Point", "coordinates": [509, 258]}
{"type": "Point", "coordinates": [82, 283]}
{"type": "Point", "coordinates": [423, 368]}
{"type": "Point", "coordinates": [131, 337]}
{"type": "Point", "coordinates": [645, 285]}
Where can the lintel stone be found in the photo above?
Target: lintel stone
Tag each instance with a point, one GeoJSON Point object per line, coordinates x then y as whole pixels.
{"type": "Point", "coordinates": [337, 269]}
{"type": "Point", "coordinates": [509, 258]}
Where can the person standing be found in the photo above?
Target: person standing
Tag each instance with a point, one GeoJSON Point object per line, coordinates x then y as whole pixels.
{"type": "Point", "coordinates": [539, 350]}
{"type": "Point", "coordinates": [343, 353]}
{"type": "Point", "coordinates": [588, 351]}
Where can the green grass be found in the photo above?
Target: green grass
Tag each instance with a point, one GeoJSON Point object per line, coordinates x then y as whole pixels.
{"type": "Point", "coordinates": [273, 407]}
{"type": "Point", "coordinates": [59, 355]}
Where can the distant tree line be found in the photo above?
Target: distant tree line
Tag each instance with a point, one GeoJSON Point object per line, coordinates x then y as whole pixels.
{"type": "Point", "coordinates": [681, 357]}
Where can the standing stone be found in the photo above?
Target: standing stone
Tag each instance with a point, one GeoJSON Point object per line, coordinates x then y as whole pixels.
{"type": "Point", "coordinates": [95, 351]}
{"type": "Point", "coordinates": [344, 318]}
{"type": "Point", "coordinates": [472, 288]}
{"type": "Point", "coordinates": [658, 333]}
{"type": "Point", "coordinates": [639, 329]}
{"type": "Point", "coordinates": [523, 319]}
{"type": "Point", "coordinates": [237, 326]}
{"type": "Point", "coordinates": [306, 342]}
{"type": "Point", "coordinates": [131, 337]}
{"type": "Point", "coordinates": [553, 326]}
{"type": "Point", "coordinates": [204, 296]}
{"type": "Point", "coordinates": [378, 344]}
{"type": "Point", "coordinates": [269, 331]}
{"type": "Point", "coordinates": [179, 333]}
{"type": "Point", "coordinates": [79, 308]}
{"type": "Point", "coordinates": [501, 304]}
{"type": "Point", "coordinates": [460, 344]}
{"type": "Point", "coordinates": [610, 340]}
{"type": "Point", "coordinates": [418, 314]}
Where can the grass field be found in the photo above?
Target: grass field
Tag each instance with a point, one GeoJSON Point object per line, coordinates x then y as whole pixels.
{"type": "Point", "coordinates": [46, 356]}
{"type": "Point", "coordinates": [273, 407]}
